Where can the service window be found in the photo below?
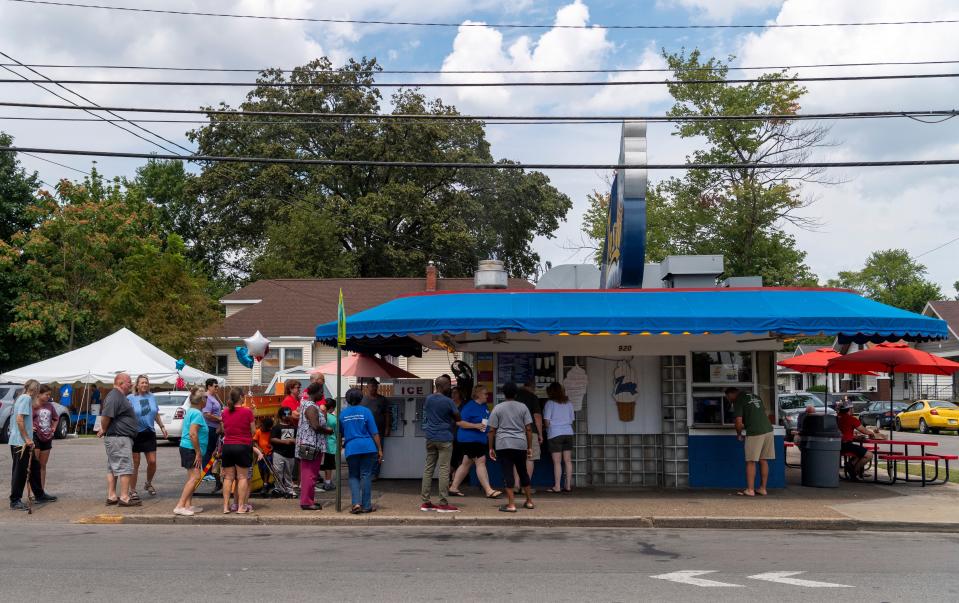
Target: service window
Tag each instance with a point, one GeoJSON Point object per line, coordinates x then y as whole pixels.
{"type": "Point", "coordinates": [712, 373]}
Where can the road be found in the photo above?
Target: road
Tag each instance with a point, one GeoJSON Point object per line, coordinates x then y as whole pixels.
{"type": "Point", "coordinates": [191, 563]}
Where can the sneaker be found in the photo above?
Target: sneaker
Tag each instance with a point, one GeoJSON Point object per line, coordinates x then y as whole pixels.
{"type": "Point", "coordinates": [18, 506]}
{"type": "Point", "coordinates": [427, 506]}
{"type": "Point", "coordinates": [46, 498]}
{"type": "Point", "coordinates": [209, 478]}
{"type": "Point", "coordinates": [186, 512]}
{"type": "Point", "coordinates": [329, 487]}
{"type": "Point", "coordinates": [447, 509]}
{"type": "Point", "coordinates": [195, 510]}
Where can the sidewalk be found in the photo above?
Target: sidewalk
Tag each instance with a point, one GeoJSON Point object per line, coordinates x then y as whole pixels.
{"type": "Point", "coordinates": [76, 475]}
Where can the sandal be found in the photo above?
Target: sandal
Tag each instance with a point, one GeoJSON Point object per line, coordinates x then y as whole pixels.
{"type": "Point", "coordinates": [494, 494]}
{"type": "Point", "coordinates": [553, 491]}
{"type": "Point", "coordinates": [112, 501]}
{"type": "Point", "coordinates": [745, 493]}
{"type": "Point", "coordinates": [506, 509]}
{"type": "Point", "coordinates": [356, 510]}
{"type": "Point", "coordinates": [457, 493]}
{"type": "Point", "coordinates": [149, 488]}
{"type": "Point", "coordinates": [528, 505]}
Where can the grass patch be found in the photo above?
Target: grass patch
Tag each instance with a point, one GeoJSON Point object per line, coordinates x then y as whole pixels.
{"type": "Point", "coordinates": [931, 471]}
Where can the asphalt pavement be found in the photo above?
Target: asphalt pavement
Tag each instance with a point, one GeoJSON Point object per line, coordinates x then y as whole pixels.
{"type": "Point", "coordinates": [299, 563]}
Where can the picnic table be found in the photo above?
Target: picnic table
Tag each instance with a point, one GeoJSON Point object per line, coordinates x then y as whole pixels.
{"type": "Point", "coordinates": [893, 457]}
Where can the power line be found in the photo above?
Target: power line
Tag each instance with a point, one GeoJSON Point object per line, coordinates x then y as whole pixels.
{"type": "Point", "coordinates": [716, 82]}
{"type": "Point", "coordinates": [495, 118]}
{"type": "Point", "coordinates": [946, 244]}
{"type": "Point", "coordinates": [491, 71]}
{"type": "Point", "coordinates": [56, 163]}
{"type": "Point", "coordinates": [477, 24]}
{"type": "Point", "coordinates": [40, 84]}
{"type": "Point", "coordinates": [487, 166]}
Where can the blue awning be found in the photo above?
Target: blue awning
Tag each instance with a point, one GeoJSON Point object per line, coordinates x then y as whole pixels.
{"type": "Point", "coordinates": [787, 311]}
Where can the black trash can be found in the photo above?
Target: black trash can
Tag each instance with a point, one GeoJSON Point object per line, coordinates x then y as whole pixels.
{"type": "Point", "coordinates": [820, 443]}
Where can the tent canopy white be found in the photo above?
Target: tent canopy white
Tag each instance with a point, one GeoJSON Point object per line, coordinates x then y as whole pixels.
{"type": "Point", "coordinates": [99, 362]}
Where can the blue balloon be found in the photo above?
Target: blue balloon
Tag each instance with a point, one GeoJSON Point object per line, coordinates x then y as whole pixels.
{"type": "Point", "coordinates": [180, 364]}
{"type": "Point", "coordinates": [243, 355]}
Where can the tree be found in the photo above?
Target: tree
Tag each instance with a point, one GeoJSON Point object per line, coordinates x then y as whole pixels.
{"type": "Point", "coordinates": [95, 262]}
{"type": "Point", "coordinates": [383, 221]}
{"type": "Point", "coordinates": [892, 277]}
{"type": "Point", "coordinates": [739, 213]}
{"type": "Point", "coordinates": [17, 189]}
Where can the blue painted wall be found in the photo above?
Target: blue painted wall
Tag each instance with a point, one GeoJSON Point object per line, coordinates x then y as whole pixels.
{"type": "Point", "coordinates": [716, 461]}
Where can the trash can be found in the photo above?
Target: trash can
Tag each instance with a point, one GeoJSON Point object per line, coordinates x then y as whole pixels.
{"type": "Point", "coordinates": [820, 443]}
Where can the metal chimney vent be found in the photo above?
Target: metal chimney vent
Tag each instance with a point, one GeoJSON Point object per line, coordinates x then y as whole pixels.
{"type": "Point", "coordinates": [490, 274]}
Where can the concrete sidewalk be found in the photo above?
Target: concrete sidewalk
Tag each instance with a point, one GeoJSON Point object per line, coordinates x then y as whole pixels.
{"type": "Point", "coordinates": [76, 474]}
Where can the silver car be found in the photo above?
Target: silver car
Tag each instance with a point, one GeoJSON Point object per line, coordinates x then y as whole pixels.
{"type": "Point", "coordinates": [173, 406]}
{"type": "Point", "coordinates": [794, 404]}
{"type": "Point", "coordinates": [8, 395]}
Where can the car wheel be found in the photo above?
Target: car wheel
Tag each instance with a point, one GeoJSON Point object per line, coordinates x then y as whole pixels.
{"type": "Point", "coordinates": [898, 424]}
{"type": "Point", "coordinates": [5, 433]}
{"type": "Point", "coordinates": [63, 427]}
{"type": "Point", "coordinates": [923, 428]}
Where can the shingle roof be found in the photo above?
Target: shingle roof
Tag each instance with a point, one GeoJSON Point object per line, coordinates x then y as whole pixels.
{"type": "Point", "coordinates": [293, 307]}
{"type": "Point", "coordinates": [949, 312]}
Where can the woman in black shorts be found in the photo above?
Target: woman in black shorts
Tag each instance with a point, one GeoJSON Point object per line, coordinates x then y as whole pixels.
{"type": "Point", "coordinates": [472, 440]}
{"type": "Point", "coordinates": [237, 454]}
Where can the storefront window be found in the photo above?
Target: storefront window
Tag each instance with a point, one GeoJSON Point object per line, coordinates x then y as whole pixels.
{"type": "Point", "coordinates": [712, 373]}
{"type": "Point", "coordinates": [521, 368]}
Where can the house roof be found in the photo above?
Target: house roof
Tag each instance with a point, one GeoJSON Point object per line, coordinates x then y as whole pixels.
{"type": "Point", "coordinates": [947, 311]}
{"type": "Point", "coordinates": [293, 307]}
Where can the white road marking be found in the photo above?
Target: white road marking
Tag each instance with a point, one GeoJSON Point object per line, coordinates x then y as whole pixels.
{"type": "Point", "coordinates": [784, 578]}
{"type": "Point", "coordinates": [689, 577]}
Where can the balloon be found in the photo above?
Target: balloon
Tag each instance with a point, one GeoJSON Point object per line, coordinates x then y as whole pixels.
{"type": "Point", "coordinates": [180, 364]}
{"type": "Point", "coordinates": [180, 383]}
{"type": "Point", "coordinates": [258, 346]}
{"type": "Point", "coordinates": [243, 355]}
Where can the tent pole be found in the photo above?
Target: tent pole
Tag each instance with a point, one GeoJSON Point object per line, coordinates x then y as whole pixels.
{"type": "Point", "coordinates": [339, 407]}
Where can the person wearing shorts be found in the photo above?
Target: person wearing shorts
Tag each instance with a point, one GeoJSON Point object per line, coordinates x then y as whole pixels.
{"type": "Point", "coordinates": [527, 395]}
{"type": "Point", "coordinates": [45, 421]}
{"type": "Point", "coordinates": [849, 426]}
{"type": "Point", "coordinates": [145, 442]}
{"type": "Point", "coordinates": [510, 441]}
{"type": "Point", "coordinates": [759, 443]}
{"type": "Point", "coordinates": [193, 442]}
{"type": "Point", "coordinates": [118, 426]}
{"type": "Point", "coordinates": [558, 416]}
{"type": "Point", "coordinates": [473, 443]}
{"type": "Point", "coordinates": [236, 457]}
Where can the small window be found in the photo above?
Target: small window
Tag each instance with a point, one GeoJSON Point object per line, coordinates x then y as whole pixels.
{"type": "Point", "coordinates": [221, 364]}
{"type": "Point", "coordinates": [292, 357]}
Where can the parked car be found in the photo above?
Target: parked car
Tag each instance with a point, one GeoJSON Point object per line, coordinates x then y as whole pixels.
{"type": "Point", "coordinates": [877, 413]}
{"type": "Point", "coordinates": [8, 395]}
{"type": "Point", "coordinates": [929, 416]}
{"type": "Point", "coordinates": [794, 404]}
{"type": "Point", "coordinates": [173, 406]}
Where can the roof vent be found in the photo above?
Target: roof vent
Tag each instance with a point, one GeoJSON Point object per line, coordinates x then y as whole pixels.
{"type": "Point", "coordinates": [490, 274]}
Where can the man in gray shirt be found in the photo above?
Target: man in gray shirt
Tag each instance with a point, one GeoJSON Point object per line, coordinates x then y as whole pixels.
{"type": "Point", "coordinates": [383, 417]}
{"type": "Point", "coordinates": [511, 444]}
{"type": "Point", "coordinates": [118, 426]}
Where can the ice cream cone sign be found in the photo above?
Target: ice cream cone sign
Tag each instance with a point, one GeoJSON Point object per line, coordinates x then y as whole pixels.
{"type": "Point", "coordinates": [625, 390]}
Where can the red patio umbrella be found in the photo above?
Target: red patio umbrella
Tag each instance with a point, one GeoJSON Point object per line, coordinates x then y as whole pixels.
{"type": "Point", "coordinates": [817, 362]}
{"type": "Point", "coordinates": [893, 358]}
{"type": "Point", "coordinates": [365, 366]}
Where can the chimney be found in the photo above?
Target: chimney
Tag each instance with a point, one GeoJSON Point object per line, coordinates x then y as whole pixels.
{"type": "Point", "coordinates": [431, 277]}
{"type": "Point", "coordinates": [490, 274]}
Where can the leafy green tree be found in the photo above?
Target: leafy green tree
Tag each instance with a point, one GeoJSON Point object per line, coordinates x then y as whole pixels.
{"type": "Point", "coordinates": [383, 221]}
{"type": "Point", "coordinates": [96, 261]}
{"type": "Point", "coordinates": [892, 277]}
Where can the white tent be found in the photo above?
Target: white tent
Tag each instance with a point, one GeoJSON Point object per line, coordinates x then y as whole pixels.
{"type": "Point", "coordinates": [99, 362]}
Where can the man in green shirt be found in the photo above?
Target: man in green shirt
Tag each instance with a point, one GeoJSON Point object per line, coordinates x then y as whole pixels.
{"type": "Point", "coordinates": [760, 445]}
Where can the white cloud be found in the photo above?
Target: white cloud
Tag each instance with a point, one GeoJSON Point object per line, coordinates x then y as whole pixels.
{"type": "Point", "coordinates": [722, 10]}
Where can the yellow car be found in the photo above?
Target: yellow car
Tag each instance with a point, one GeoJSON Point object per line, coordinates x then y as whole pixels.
{"type": "Point", "coordinates": [929, 416]}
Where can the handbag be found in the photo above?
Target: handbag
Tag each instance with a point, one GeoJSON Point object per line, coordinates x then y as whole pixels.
{"type": "Point", "coordinates": [306, 452]}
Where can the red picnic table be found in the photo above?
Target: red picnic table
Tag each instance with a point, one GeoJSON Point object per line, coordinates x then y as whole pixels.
{"type": "Point", "coordinates": [894, 457]}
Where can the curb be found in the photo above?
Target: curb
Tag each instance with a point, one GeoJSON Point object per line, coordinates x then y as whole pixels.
{"type": "Point", "coordinates": [711, 523]}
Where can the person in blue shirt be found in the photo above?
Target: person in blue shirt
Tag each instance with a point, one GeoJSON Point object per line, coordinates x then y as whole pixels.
{"type": "Point", "coordinates": [472, 439]}
{"type": "Point", "coordinates": [439, 417]}
{"type": "Point", "coordinates": [362, 447]}
{"type": "Point", "coordinates": [145, 405]}
{"type": "Point", "coordinates": [193, 443]}
{"type": "Point", "coordinates": [21, 447]}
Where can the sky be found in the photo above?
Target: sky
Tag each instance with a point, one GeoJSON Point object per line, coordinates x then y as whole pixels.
{"type": "Point", "coordinates": [869, 209]}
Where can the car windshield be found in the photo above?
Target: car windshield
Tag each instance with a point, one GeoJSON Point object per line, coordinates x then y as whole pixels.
{"type": "Point", "coordinates": [795, 402]}
{"type": "Point", "coordinates": [169, 400]}
{"type": "Point", "coordinates": [941, 404]}
{"type": "Point", "coordinates": [4, 391]}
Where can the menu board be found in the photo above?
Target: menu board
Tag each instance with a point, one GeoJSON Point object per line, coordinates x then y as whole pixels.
{"type": "Point", "coordinates": [523, 367]}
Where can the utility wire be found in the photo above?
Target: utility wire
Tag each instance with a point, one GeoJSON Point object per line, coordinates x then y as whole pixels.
{"type": "Point", "coordinates": [947, 243]}
{"type": "Point", "coordinates": [490, 71]}
{"type": "Point", "coordinates": [90, 110]}
{"type": "Point", "coordinates": [495, 118]}
{"type": "Point", "coordinates": [488, 166]}
{"type": "Point", "coordinates": [477, 24]}
{"type": "Point", "coordinates": [716, 82]}
{"type": "Point", "coordinates": [57, 163]}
